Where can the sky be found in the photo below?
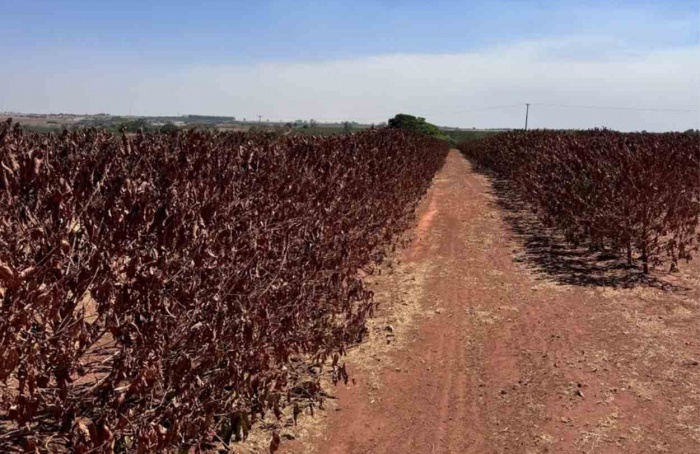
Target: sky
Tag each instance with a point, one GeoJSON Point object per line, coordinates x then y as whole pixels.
{"type": "Point", "coordinates": [628, 65]}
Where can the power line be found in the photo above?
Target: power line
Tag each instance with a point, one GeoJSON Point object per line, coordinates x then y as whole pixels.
{"type": "Point", "coordinates": [639, 109]}
{"type": "Point", "coordinates": [426, 114]}
{"type": "Point", "coordinates": [480, 109]}
{"type": "Point", "coordinates": [562, 106]}
{"type": "Point", "coordinates": [380, 118]}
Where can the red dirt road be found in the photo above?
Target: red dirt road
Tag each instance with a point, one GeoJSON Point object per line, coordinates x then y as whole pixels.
{"type": "Point", "coordinates": [513, 352]}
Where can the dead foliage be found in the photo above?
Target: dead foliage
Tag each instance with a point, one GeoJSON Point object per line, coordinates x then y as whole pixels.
{"type": "Point", "coordinates": [163, 291]}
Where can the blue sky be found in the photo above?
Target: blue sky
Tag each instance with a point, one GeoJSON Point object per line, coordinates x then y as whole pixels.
{"type": "Point", "coordinates": [185, 43]}
{"type": "Point", "coordinates": [230, 31]}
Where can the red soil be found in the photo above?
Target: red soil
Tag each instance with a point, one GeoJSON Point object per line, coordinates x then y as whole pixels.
{"type": "Point", "coordinates": [513, 353]}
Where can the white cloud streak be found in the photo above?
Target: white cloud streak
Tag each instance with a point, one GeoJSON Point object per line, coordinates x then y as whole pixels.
{"type": "Point", "coordinates": [448, 89]}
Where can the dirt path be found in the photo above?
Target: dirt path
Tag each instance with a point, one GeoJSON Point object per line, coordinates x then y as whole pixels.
{"type": "Point", "coordinates": [510, 353]}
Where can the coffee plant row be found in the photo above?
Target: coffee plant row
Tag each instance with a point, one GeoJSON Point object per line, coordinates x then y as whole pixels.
{"type": "Point", "coordinates": [162, 291]}
{"type": "Point", "coordinates": [637, 194]}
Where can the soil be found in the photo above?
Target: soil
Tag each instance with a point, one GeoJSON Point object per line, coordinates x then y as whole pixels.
{"type": "Point", "coordinates": [496, 337]}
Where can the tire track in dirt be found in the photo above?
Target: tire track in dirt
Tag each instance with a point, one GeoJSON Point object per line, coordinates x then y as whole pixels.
{"type": "Point", "coordinates": [503, 359]}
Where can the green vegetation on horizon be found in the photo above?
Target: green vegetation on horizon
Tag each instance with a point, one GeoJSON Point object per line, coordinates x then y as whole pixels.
{"type": "Point", "coordinates": [419, 125]}
{"type": "Point", "coordinates": [130, 124]}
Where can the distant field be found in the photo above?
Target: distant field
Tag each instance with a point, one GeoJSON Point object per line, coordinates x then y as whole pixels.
{"type": "Point", "coordinates": [52, 123]}
{"type": "Point", "coordinates": [463, 135]}
{"type": "Point", "coordinates": [41, 123]}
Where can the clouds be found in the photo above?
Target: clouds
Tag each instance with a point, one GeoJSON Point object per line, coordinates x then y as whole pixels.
{"type": "Point", "coordinates": [449, 61]}
{"type": "Point", "coordinates": [449, 89]}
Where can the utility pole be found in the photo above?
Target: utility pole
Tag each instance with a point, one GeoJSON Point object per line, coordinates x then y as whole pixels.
{"type": "Point", "coordinates": [527, 114]}
{"type": "Point", "coordinates": [259, 118]}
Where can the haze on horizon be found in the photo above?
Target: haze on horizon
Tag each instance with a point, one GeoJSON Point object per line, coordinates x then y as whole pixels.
{"type": "Point", "coordinates": [628, 65]}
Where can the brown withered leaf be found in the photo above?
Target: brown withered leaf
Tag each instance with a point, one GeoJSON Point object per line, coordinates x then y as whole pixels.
{"type": "Point", "coordinates": [275, 443]}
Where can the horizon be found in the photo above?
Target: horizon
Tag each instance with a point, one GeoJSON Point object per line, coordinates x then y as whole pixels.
{"type": "Point", "coordinates": [17, 117]}
{"type": "Point", "coordinates": [622, 65]}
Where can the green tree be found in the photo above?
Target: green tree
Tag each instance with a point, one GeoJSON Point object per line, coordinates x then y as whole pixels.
{"type": "Point", "coordinates": [416, 124]}
{"type": "Point", "coordinates": [134, 125]}
{"type": "Point", "coordinates": [169, 127]}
